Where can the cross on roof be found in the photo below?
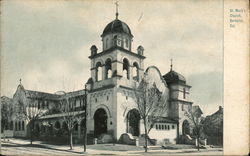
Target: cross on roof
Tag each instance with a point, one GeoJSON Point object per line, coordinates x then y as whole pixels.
{"type": "Point", "coordinates": [20, 80]}
{"type": "Point", "coordinates": [116, 3]}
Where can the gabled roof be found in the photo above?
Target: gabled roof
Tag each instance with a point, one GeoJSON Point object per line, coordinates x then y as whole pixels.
{"type": "Point", "coordinates": [196, 109]}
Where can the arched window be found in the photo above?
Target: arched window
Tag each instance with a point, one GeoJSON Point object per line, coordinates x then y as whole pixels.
{"type": "Point", "coordinates": [126, 68]}
{"type": "Point", "coordinates": [135, 71]}
{"type": "Point", "coordinates": [156, 126]}
{"type": "Point", "coordinates": [19, 125]}
{"type": "Point", "coordinates": [98, 71]}
{"type": "Point", "coordinates": [108, 69]}
{"type": "Point", "coordinates": [185, 127]}
{"type": "Point", "coordinates": [106, 44]}
{"type": "Point", "coordinates": [23, 125]}
{"type": "Point", "coordinates": [126, 43]}
{"type": "Point", "coordinates": [57, 125]}
{"type": "Point", "coordinates": [115, 40]}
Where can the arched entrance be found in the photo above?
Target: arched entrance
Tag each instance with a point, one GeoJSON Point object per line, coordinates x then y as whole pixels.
{"type": "Point", "coordinates": [185, 127]}
{"type": "Point", "coordinates": [133, 122]}
{"type": "Point", "coordinates": [100, 122]}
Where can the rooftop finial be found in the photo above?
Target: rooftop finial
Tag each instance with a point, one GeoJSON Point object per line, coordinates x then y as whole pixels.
{"type": "Point", "coordinates": [171, 65]}
{"type": "Point", "coordinates": [20, 81]}
{"type": "Point", "coordinates": [116, 15]}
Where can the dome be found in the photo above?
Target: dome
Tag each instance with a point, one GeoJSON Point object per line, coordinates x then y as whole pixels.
{"type": "Point", "coordinates": [117, 26]}
{"type": "Point", "coordinates": [174, 77]}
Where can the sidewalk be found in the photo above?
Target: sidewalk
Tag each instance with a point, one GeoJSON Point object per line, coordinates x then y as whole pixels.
{"type": "Point", "coordinates": [78, 149]}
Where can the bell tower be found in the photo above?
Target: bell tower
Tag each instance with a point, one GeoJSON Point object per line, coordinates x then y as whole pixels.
{"type": "Point", "coordinates": [115, 71]}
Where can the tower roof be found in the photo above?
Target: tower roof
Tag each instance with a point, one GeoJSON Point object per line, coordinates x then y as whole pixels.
{"type": "Point", "coordinates": [174, 77]}
{"type": "Point", "coordinates": [117, 26]}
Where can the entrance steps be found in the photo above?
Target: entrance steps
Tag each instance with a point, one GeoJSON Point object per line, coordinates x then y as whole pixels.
{"type": "Point", "coordinates": [127, 138]}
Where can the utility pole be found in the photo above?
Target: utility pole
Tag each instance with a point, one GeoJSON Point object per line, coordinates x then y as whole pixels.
{"type": "Point", "coordinates": [85, 118]}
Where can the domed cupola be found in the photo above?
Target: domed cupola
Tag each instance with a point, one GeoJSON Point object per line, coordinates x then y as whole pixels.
{"type": "Point", "coordinates": [173, 77]}
{"type": "Point", "coordinates": [117, 26]}
{"type": "Point", "coordinates": [117, 34]}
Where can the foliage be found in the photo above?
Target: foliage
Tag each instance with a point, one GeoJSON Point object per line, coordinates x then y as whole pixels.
{"type": "Point", "coordinates": [71, 116]}
{"type": "Point", "coordinates": [198, 123]}
{"type": "Point", "coordinates": [6, 113]}
{"type": "Point", "coordinates": [27, 109]}
{"type": "Point", "coordinates": [150, 103]}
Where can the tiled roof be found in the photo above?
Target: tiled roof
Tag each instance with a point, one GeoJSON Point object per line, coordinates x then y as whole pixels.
{"type": "Point", "coordinates": [37, 94]}
{"type": "Point", "coordinates": [50, 96]}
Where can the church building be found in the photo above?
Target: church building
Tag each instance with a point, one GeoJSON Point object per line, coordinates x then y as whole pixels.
{"type": "Point", "coordinates": [109, 94]}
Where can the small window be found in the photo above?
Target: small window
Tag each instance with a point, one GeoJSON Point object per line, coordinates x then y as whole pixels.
{"type": "Point", "coordinates": [107, 40]}
{"type": "Point", "coordinates": [182, 107]}
{"type": "Point", "coordinates": [126, 43]}
{"type": "Point", "coordinates": [95, 99]}
{"type": "Point", "coordinates": [168, 127]}
{"type": "Point", "coordinates": [172, 126]}
{"type": "Point", "coordinates": [126, 97]}
{"type": "Point", "coordinates": [159, 126]}
{"type": "Point", "coordinates": [156, 126]}
{"type": "Point", "coordinates": [165, 126]}
{"type": "Point", "coordinates": [107, 98]}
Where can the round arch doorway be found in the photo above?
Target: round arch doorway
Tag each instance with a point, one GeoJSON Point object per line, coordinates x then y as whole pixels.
{"type": "Point", "coordinates": [100, 122]}
{"type": "Point", "coordinates": [133, 122]}
{"type": "Point", "coordinates": [185, 128]}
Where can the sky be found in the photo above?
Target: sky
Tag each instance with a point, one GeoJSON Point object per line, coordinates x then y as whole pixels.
{"type": "Point", "coordinates": [47, 43]}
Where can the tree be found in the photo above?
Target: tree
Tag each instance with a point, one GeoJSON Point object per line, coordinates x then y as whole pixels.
{"type": "Point", "coordinates": [71, 116]}
{"type": "Point", "coordinates": [151, 105]}
{"type": "Point", "coordinates": [28, 109]}
{"type": "Point", "coordinates": [197, 121]}
{"type": "Point", "coordinates": [6, 113]}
